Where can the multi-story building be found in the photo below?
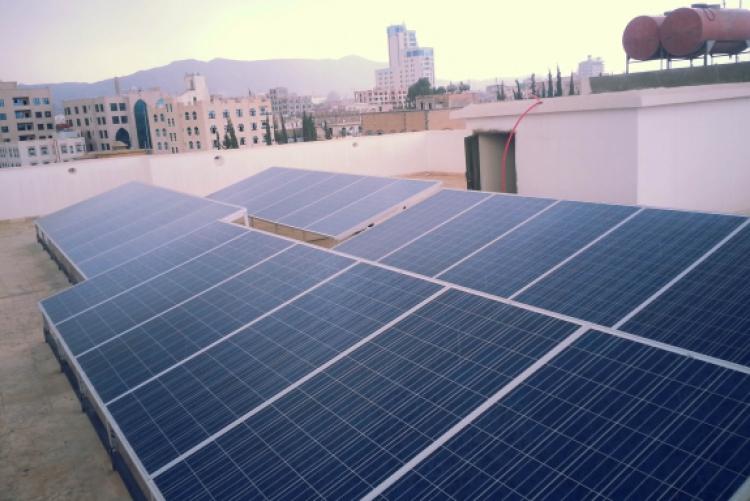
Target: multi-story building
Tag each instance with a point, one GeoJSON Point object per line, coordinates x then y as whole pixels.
{"type": "Point", "coordinates": [104, 120]}
{"type": "Point", "coordinates": [591, 68]}
{"type": "Point", "coordinates": [65, 148]}
{"type": "Point", "coordinates": [440, 101]}
{"type": "Point", "coordinates": [288, 103]}
{"type": "Point", "coordinates": [384, 99]}
{"type": "Point", "coordinates": [407, 62]}
{"type": "Point", "coordinates": [25, 114]}
{"type": "Point", "coordinates": [393, 122]}
{"type": "Point", "coordinates": [193, 120]}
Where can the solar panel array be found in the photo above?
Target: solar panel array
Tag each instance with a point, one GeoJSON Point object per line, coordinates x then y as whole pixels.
{"type": "Point", "coordinates": [104, 231]}
{"type": "Point", "coordinates": [481, 347]}
{"type": "Point", "coordinates": [325, 203]}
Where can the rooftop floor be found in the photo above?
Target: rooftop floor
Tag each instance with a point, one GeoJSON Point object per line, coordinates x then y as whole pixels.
{"type": "Point", "coordinates": [48, 448]}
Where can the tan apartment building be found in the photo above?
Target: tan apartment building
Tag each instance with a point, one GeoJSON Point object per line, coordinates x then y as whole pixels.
{"type": "Point", "coordinates": [288, 103]}
{"type": "Point", "coordinates": [384, 99]}
{"type": "Point", "coordinates": [25, 114]}
{"type": "Point", "coordinates": [192, 120]}
{"type": "Point", "coordinates": [104, 120]}
{"type": "Point", "coordinates": [392, 122]}
{"type": "Point", "coordinates": [441, 101]}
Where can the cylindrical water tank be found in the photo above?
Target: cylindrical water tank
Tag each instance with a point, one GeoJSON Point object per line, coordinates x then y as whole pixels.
{"type": "Point", "coordinates": [685, 31]}
{"type": "Point", "coordinates": [641, 38]}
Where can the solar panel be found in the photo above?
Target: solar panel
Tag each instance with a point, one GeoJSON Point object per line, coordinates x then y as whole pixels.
{"type": "Point", "coordinates": [606, 419]}
{"type": "Point", "coordinates": [447, 244]}
{"type": "Point", "coordinates": [354, 423]}
{"type": "Point", "coordinates": [614, 276]}
{"type": "Point", "coordinates": [139, 269]}
{"type": "Point", "coordinates": [411, 224]}
{"type": "Point", "coordinates": [241, 366]}
{"type": "Point", "coordinates": [707, 310]}
{"type": "Point", "coordinates": [523, 255]}
{"type": "Point", "coordinates": [324, 203]}
{"type": "Point", "coordinates": [98, 234]}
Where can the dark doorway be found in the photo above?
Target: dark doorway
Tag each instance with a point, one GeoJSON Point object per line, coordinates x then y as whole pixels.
{"type": "Point", "coordinates": [142, 128]}
{"type": "Point", "coordinates": [484, 156]}
{"type": "Point", "coordinates": [123, 136]}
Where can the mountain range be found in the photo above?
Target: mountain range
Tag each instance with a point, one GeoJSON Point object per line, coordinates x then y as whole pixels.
{"type": "Point", "coordinates": [235, 78]}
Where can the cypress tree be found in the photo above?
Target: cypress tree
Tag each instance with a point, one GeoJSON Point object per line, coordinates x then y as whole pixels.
{"type": "Point", "coordinates": [572, 90]}
{"type": "Point", "coordinates": [533, 84]}
{"type": "Point", "coordinates": [501, 95]}
{"type": "Point", "coordinates": [233, 144]}
{"type": "Point", "coordinates": [549, 84]}
{"type": "Point", "coordinates": [284, 137]}
{"type": "Point", "coordinates": [517, 94]}
{"type": "Point", "coordinates": [218, 140]}
{"type": "Point", "coordinates": [559, 91]}
{"type": "Point", "coordinates": [544, 91]}
{"type": "Point", "coordinates": [267, 136]}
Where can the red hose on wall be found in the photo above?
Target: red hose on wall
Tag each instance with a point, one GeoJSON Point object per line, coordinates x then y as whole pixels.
{"type": "Point", "coordinates": [507, 145]}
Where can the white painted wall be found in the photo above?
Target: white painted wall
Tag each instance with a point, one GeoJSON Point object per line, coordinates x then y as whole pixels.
{"type": "Point", "coordinates": [682, 148]}
{"type": "Point", "coordinates": [35, 191]}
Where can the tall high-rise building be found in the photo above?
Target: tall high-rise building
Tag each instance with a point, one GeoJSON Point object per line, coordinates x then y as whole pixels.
{"type": "Point", "coordinates": [591, 68]}
{"type": "Point", "coordinates": [407, 61]}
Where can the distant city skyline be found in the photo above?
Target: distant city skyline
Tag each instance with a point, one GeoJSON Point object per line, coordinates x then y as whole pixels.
{"type": "Point", "coordinates": [82, 41]}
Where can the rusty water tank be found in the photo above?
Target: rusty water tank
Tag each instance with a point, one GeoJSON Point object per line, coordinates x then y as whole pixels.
{"type": "Point", "coordinates": [684, 32]}
{"type": "Point", "coordinates": [641, 39]}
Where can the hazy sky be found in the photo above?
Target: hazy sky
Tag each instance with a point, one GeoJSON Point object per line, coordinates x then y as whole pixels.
{"type": "Point", "coordinates": [90, 40]}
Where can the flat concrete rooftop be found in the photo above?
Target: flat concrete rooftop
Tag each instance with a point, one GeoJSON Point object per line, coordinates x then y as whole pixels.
{"type": "Point", "coordinates": [48, 448]}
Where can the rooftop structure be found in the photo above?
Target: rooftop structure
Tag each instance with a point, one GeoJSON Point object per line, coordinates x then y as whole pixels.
{"type": "Point", "coordinates": [67, 147]}
{"type": "Point", "coordinates": [288, 103]}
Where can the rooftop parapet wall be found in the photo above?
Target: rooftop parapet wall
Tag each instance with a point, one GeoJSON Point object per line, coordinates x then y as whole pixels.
{"type": "Point", "coordinates": [35, 191]}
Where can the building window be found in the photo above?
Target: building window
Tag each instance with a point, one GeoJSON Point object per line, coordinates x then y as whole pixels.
{"type": "Point", "coordinates": [38, 114]}
{"type": "Point", "coordinates": [78, 148]}
{"type": "Point", "coordinates": [44, 150]}
{"type": "Point", "coordinates": [40, 126]}
{"type": "Point", "coordinates": [158, 145]}
{"type": "Point", "coordinates": [78, 122]}
{"type": "Point", "coordinates": [124, 119]}
{"type": "Point", "coordinates": [156, 118]}
{"type": "Point", "coordinates": [213, 129]}
{"type": "Point", "coordinates": [157, 132]}
{"type": "Point", "coordinates": [121, 106]}
{"type": "Point", "coordinates": [104, 120]}
{"type": "Point", "coordinates": [252, 112]}
{"type": "Point", "coordinates": [164, 132]}
{"type": "Point", "coordinates": [32, 151]}
{"type": "Point", "coordinates": [191, 145]}
{"type": "Point", "coordinates": [239, 112]}
{"type": "Point", "coordinates": [113, 106]}
{"type": "Point", "coordinates": [76, 109]}
{"type": "Point", "coordinates": [50, 126]}
{"type": "Point", "coordinates": [211, 114]}
{"type": "Point", "coordinates": [254, 126]}
{"type": "Point", "coordinates": [86, 121]}
{"type": "Point", "coordinates": [47, 114]}
{"type": "Point", "coordinates": [196, 131]}
{"type": "Point", "coordinates": [36, 101]}
{"type": "Point", "coordinates": [255, 139]}
{"type": "Point", "coordinates": [2, 103]}
{"type": "Point", "coordinates": [241, 127]}
{"type": "Point", "coordinates": [242, 141]}
{"type": "Point", "coordinates": [162, 117]}
{"type": "Point", "coordinates": [189, 131]}
{"type": "Point", "coordinates": [195, 116]}
{"type": "Point", "coordinates": [198, 145]}
{"type": "Point", "coordinates": [116, 120]}
{"type": "Point", "coordinates": [3, 116]}
{"type": "Point", "coordinates": [187, 116]}
{"type": "Point", "coordinates": [63, 148]}
{"type": "Point", "coordinates": [225, 113]}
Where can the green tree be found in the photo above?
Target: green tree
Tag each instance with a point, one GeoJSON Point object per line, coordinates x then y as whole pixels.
{"type": "Point", "coordinates": [501, 96]}
{"type": "Point", "coordinates": [218, 140]}
{"type": "Point", "coordinates": [284, 136]}
{"type": "Point", "coordinates": [517, 94]}
{"type": "Point", "coordinates": [544, 90]}
{"type": "Point", "coordinates": [421, 88]}
{"type": "Point", "coordinates": [572, 90]}
{"type": "Point", "coordinates": [230, 138]}
{"type": "Point", "coordinates": [549, 84]}
{"type": "Point", "coordinates": [559, 90]}
{"type": "Point", "coordinates": [533, 84]}
{"type": "Point", "coordinates": [440, 90]}
{"type": "Point", "coordinates": [267, 136]}
{"type": "Point", "coordinates": [329, 132]}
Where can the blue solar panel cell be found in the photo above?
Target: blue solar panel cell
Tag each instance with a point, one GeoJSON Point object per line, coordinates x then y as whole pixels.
{"type": "Point", "coordinates": [396, 232]}
{"type": "Point", "coordinates": [608, 418]}
{"type": "Point", "coordinates": [329, 187]}
{"type": "Point", "coordinates": [706, 311]}
{"type": "Point", "coordinates": [446, 245]}
{"type": "Point", "coordinates": [518, 258]}
{"type": "Point", "coordinates": [328, 205]}
{"type": "Point", "coordinates": [369, 207]}
{"type": "Point", "coordinates": [138, 270]}
{"type": "Point", "coordinates": [614, 276]}
{"type": "Point", "coordinates": [264, 180]}
{"type": "Point", "coordinates": [106, 320]}
{"type": "Point", "coordinates": [288, 190]}
{"type": "Point", "coordinates": [353, 424]}
{"type": "Point", "coordinates": [240, 373]}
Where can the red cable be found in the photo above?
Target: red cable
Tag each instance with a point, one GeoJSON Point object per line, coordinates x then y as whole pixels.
{"type": "Point", "coordinates": [507, 145]}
